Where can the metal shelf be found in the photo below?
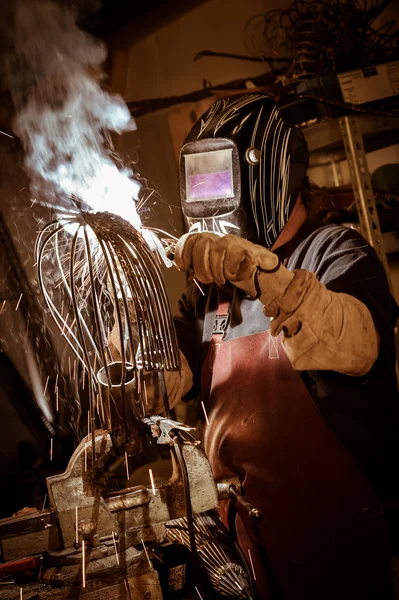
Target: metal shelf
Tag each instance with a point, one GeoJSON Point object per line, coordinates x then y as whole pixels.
{"type": "Point", "coordinates": [335, 139]}
{"type": "Point", "coordinates": [327, 136]}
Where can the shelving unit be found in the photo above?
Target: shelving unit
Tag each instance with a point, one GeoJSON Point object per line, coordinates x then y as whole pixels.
{"type": "Point", "coordinates": [350, 137]}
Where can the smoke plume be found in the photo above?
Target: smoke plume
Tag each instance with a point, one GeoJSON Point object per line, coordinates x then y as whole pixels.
{"type": "Point", "coordinates": [63, 114]}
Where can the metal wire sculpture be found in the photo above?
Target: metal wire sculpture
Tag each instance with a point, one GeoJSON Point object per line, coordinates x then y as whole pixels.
{"type": "Point", "coordinates": [323, 36]}
{"type": "Point", "coordinates": [227, 572]}
{"type": "Point", "coordinates": [104, 290]}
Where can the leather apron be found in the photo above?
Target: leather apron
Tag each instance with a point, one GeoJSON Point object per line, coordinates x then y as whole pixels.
{"type": "Point", "coordinates": [322, 536]}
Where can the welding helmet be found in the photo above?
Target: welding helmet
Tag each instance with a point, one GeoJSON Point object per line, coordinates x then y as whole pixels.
{"type": "Point", "coordinates": [241, 169]}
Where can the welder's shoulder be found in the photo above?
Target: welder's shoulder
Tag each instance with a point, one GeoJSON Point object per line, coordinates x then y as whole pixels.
{"type": "Point", "coordinates": [333, 250]}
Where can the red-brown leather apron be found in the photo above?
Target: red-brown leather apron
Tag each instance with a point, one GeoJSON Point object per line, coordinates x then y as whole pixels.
{"type": "Point", "coordinates": [318, 540]}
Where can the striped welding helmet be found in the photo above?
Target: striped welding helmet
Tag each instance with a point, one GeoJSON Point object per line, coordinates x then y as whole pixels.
{"type": "Point", "coordinates": [241, 169]}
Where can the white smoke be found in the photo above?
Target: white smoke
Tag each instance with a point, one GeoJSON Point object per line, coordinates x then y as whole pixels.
{"type": "Point", "coordinates": [64, 116]}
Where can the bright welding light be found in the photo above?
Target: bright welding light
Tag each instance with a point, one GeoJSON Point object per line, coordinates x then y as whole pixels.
{"type": "Point", "coordinates": [107, 190]}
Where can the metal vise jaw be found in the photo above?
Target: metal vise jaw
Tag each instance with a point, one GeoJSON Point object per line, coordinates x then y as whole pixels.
{"type": "Point", "coordinates": [133, 515]}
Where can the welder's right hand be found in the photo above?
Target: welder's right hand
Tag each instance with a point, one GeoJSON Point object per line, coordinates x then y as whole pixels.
{"type": "Point", "coordinates": [177, 385]}
{"type": "Point", "coordinates": [218, 259]}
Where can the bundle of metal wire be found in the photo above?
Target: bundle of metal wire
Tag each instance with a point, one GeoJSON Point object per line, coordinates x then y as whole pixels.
{"type": "Point", "coordinates": [227, 571]}
{"type": "Point", "coordinates": [98, 274]}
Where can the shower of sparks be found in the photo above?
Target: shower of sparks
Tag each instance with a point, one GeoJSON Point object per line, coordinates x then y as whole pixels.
{"type": "Point", "coordinates": [10, 136]}
{"type": "Point", "coordinates": [83, 565]}
{"type": "Point", "coordinates": [45, 387]}
{"type": "Point", "coordinates": [116, 549]}
{"type": "Point", "coordinates": [205, 413]}
{"type": "Point", "coordinates": [76, 527]}
{"type": "Point", "coordinates": [44, 502]}
{"type": "Point", "coordinates": [127, 467]}
{"type": "Point", "coordinates": [199, 287]}
{"type": "Point", "coordinates": [238, 585]}
{"type": "Point", "coordinates": [19, 300]}
{"type": "Point", "coordinates": [2, 306]}
{"type": "Point", "coordinates": [146, 553]}
{"type": "Point", "coordinates": [152, 482]}
{"type": "Point", "coordinates": [51, 449]}
{"type": "Point", "coordinates": [199, 595]}
{"type": "Point", "coordinates": [252, 564]}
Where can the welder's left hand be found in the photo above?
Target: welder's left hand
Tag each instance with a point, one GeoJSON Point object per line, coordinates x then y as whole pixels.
{"type": "Point", "coordinates": [218, 259]}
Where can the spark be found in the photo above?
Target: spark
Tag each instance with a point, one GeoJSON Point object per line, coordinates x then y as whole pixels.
{"type": "Point", "coordinates": [56, 400]}
{"type": "Point", "coordinates": [76, 527]}
{"type": "Point", "coordinates": [12, 137]}
{"type": "Point", "coordinates": [83, 565]}
{"type": "Point", "coordinates": [51, 448]}
{"type": "Point", "coordinates": [205, 413]}
{"type": "Point", "coordinates": [127, 467]}
{"type": "Point", "coordinates": [252, 564]}
{"type": "Point", "coordinates": [152, 482]}
{"type": "Point", "coordinates": [33, 201]}
{"type": "Point", "coordinates": [145, 392]}
{"type": "Point", "coordinates": [116, 549]}
{"type": "Point", "coordinates": [146, 553]}
{"type": "Point", "coordinates": [44, 502]}
{"type": "Point", "coordinates": [199, 595]}
{"type": "Point", "coordinates": [85, 456]}
{"type": "Point", "coordinates": [45, 387]}
{"type": "Point", "coordinates": [20, 593]}
{"type": "Point", "coordinates": [199, 287]}
{"type": "Point", "coordinates": [238, 585]}
{"type": "Point", "coordinates": [88, 422]}
{"type": "Point", "coordinates": [20, 298]}
{"type": "Point", "coordinates": [2, 306]}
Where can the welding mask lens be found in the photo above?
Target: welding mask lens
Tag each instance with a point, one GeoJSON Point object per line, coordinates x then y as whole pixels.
{"type": "Point", "coordinates": [210, 178]}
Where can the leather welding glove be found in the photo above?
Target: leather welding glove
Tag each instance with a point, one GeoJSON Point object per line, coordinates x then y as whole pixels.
{"type": "Point", "coordinates": [322, 330]}
{"type": "Point", "coordinates": [219, 259]}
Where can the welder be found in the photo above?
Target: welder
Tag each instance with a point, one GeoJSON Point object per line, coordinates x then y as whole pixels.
{"type": "Point", "coordinates": [290, 342]}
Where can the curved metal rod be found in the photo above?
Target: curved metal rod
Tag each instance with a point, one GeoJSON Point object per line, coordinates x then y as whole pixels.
{"type": "Point", "coordinates": [91, 379]}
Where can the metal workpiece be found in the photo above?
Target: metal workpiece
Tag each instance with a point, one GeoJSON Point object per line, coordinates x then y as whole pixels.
{"type": "Point", "coordinates": [362, 187]}
{"type": "Point", "coordinates": [118, 321]}
{"type": "Point", "coordinates": [228, 573]}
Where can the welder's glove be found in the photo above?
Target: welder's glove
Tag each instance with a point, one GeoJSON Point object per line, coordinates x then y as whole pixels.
{"type": "Point", "coordinates": [218, 259]}
{"type": "Point", "coordinates": [178, 384]}
{"type": "Point", "coordinates": [321, 330]}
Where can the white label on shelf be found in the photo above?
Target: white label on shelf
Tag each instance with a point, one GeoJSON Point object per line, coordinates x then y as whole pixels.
{"type": "Point", "coordinates": [372, 83]}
